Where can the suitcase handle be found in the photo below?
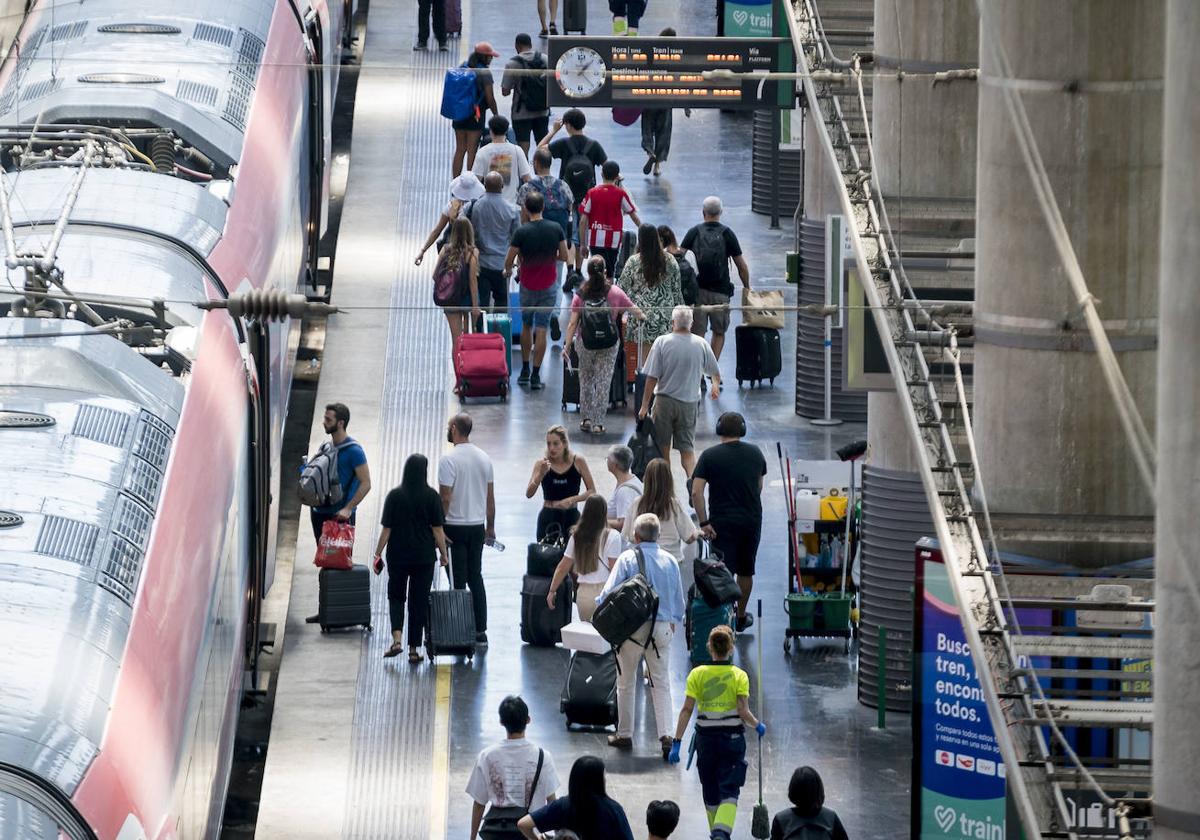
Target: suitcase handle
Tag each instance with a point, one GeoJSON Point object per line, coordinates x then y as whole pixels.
{"type": "Point", "coordinates": [449, 567]}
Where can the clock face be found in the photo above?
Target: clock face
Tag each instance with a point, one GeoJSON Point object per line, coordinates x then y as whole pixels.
{"type": "Point", "coordinates": [580, 72]}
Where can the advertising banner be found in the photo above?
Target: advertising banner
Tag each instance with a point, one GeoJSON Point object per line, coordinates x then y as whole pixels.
{"type": "Point", "coordinates": [749, 18]}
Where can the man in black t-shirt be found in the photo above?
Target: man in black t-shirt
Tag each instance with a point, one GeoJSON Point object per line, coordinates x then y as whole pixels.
{"type": "Point", "coordinates": [575, 151]}
{"type": "Point", "coordinates": [733, 472]}
{"type": "Point", "coordinates": [714, 245]}
{"type": "Point", "coordinates": [540, 245]}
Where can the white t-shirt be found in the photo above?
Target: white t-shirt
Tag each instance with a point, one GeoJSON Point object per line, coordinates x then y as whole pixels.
{"type": "Point", "coordinates": [625, 493]}
{"type": "Point", "coordinates": [504, 773]}
{"type": "Point", "coordinates": [507, 159]}
{"type": "Point", "coordinates": [673, 533]}
{"type": "Point", "coordinates": [467, 471]}
{"type": "Point", "coordinates": [612, 550]}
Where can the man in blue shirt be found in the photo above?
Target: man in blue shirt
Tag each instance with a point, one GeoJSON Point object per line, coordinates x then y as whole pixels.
{"type": "Point", "coordinates": [353, 474]}
{"type": "Point", "coordinates": [662, 571]}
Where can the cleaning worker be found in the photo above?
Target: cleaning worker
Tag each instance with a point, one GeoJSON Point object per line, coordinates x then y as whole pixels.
{"type": "Point", "coordinates": [720, 693]}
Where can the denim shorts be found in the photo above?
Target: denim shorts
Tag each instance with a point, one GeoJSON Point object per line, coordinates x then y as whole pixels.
{"type": "Point", "coordinates": [546, 299]}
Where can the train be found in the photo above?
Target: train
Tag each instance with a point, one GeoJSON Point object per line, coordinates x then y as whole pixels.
{"type": "Point", "coordinates": [157, 159]}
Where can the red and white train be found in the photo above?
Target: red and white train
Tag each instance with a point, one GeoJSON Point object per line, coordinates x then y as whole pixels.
{"type": "Point", "coordinates": [155, 156]}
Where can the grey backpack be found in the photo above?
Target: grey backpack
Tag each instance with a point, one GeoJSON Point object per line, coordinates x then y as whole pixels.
{"type": "Point", "coordinates": [319, 482]}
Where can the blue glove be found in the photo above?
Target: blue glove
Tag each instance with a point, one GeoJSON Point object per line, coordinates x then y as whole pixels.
{"type": "Point", "coordinates": [761, 729]}
{"type": "Point", "coordinates": [673, 757]}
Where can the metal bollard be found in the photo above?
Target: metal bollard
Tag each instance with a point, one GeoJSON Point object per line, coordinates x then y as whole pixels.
{"type": "Point", "coordinates": [882, 705]}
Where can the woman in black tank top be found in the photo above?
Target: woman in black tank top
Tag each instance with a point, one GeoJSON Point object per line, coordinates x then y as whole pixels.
{"type": "Point", "coordinates": [565, 481]}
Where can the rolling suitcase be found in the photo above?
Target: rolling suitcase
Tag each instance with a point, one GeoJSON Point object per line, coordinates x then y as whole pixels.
{"type": "Point", "coordinates": [541, 626]}
{"type": "Point", "coordinates": [450, 630]}
{"type": "Point", "coordinates": [589, 695]}
{"type": "Point", "coordinates": [344, 598]}
{"type": "Point", "coordinates": [617, 390]}
{"type": "Point", "coordinates": [758, 354]}
{"type": "Point", "coordinates": [575, 16]}
{"type": "Point", "coordinates": [699, 622]}
{"type": "Point", "coordinates": [453, 18]}
{"type": "Point", "coordinates": [501, 325]}
{"type": "Point", "coordinates": [632, 363]}
{"type": "Point", "coordinates": [480, 366]}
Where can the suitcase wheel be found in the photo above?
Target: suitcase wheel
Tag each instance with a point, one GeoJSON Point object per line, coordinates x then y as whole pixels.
{"type": "Point", "coordinates": [739, 383]}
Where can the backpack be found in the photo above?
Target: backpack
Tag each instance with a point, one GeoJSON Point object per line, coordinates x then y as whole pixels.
{"type": "Point", "coordinates": [531, 92]}
{"type": "Point", "coordinates": [644, 446]}
{"type": "Point", "coordinates": [628, 607]}
{"type": "Point", "coordinates": [447, 283]}
{"type": "Point", "coordinates": [597, 325]}
{"type": "Point", "coordinates": [501, 823]}
{"type": "Point", "coordinates": [711, 257]}
{"type": "Point", "coordinates": [687, 281]}
{"type": "Point", "coordinates": [459, 93]}
{"type": "Point", "coordinates": [320, 484]}
{"type": "Point", "coordinates": [579, 171]}
{"type": "Point", "coordinates": [464, 212]}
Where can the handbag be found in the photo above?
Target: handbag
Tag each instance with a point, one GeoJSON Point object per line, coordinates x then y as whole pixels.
{"type": "Point", "coordinates": [335, 548]}
{"type": "Point", "coordinates": [715, 583]}
{"type": "Point", "coordinates": [542, 557]}
{"type": "Point", "coordinates": [501, 823]}
{"type": "Point", "coordinates": [762, 309]}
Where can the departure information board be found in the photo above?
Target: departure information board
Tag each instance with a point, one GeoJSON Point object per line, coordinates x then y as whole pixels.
{"type": "Point", "coordinates": [668, 72]}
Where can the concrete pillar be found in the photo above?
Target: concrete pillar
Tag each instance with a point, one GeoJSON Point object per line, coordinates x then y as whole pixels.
{"type": "Point", "coordinates": [1049, 437]}
{"type": "Point", "coordinates": [1177, 622]}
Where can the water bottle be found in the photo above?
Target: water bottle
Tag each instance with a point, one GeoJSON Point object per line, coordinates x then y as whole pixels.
{"type": "Point", "coordinates": [496, 544]}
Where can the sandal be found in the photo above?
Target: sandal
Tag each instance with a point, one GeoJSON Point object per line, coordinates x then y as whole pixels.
{"type": "Point", "coordinates": [619, 742]}
{"type": "Point", "coordinates": [395, 650]}
{"type": "Point", "coordinates": [597, 429]}
{"type": "Point", "coordinates": [585, 426]}
{"type": "Point", "coordinates": [553, 28]}
{"type": "Point", "coordinates": [414, 657]}
{"type": "Point", "coordinates": [544, 34]}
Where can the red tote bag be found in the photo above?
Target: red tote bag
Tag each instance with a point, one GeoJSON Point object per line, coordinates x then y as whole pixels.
{"type": "Point", "coordinates": [335, 549]}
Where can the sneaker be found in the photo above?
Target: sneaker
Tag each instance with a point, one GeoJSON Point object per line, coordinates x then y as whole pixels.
{"type": "Point", "coordinates": [419, 46]}
{"type": "Point", "coordinates": [744, 622]}
{"type": "Point", "coordinates": [553, 28]}
{"type": "Point", "coordinates": [620, 26]}
{"type": "Point", "coordinates": [649, 165]}
{"type": "Point", "coordinates": [443, 47]}
{"type": "Point", "coordinates": [481, 639]}
{"type": "Point", "coordinates": [555, 330]}
{"type": "Point", "coordinates": [523, 379]}
{"type": "Point", "coordinates": [535, 382]}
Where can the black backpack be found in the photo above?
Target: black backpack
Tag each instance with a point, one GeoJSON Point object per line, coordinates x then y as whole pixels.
{"type": "Point", "coordinates": [687, 281]}
{"type": "Point", "coordinates": [628, 607]}
{"type": "Point", "coordinates": [531, 91]}
{"type": "Point", "coordinates": [597, 325]}
{"type": "Point", "coordinates": [579, 171]}
{"type": "Point", "coordinates": [712, 259]}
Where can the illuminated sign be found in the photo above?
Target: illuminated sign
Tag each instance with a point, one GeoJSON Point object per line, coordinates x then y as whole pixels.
{"type": "Point", "coordinates": [668, 72]}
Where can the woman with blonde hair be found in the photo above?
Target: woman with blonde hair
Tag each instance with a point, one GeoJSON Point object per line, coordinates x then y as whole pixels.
{"type": "Point", "coordinates": [565, 480]}
{"type": "Point", "coordinates": [658, 497]}
{"type": "Point", "coordinates": [590, 554]}
{"type": "Point", "coordinates": [456, 278]}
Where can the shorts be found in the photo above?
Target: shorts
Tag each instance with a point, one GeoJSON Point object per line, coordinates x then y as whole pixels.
{"type": "Point", "coordinates": [470, 123]}
{"type": "Point", "coordinates": [546, 299]}
{"type": "Point", "coordinates": [531, 130]}
{"type": "Point", "coordinates": [710, 312]}
{"type": "Point", "coordinates": [738, 544]}
{"type": "Point", "coordinates": [674, 423]}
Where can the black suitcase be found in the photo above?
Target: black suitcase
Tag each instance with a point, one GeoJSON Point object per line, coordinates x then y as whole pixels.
{"type": "Point", "coordinates": [541, 626]}
{"type": "Point", "coordinates": [450, 630]}
{"type": "Point", "coordinates": [344, 598]}
{"type": "Point", "coordinates": [589, 695]}
{"type": "Point", "coordinates": [758, 354]}
{"type": "Point", "coordinates": [616, 392]}
{"type": "Point", "coordinates": [575, 16]}
{"type": "Point", "coordinates": [570, 388]}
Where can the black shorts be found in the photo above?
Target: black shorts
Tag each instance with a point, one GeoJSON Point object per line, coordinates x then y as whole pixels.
{"type": "Point", "coordinates": [470, 123]}
{"type": "Point", "coordinates": [738, 544]}
{"type": "Point", "coordinates": [531, 130]}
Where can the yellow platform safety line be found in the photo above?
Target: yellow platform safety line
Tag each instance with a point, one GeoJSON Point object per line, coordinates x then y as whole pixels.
{"type": "Point", "coordinates": [439, 777]}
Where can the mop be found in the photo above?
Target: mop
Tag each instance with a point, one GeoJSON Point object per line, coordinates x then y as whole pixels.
{"type": "Point", "coordinates": [760, 826]}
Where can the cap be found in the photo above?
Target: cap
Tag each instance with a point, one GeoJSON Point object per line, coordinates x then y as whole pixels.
{"type": "Point", "coordinates": [466, 187]}
{"type": "Point", "coordinates": [484, 48]}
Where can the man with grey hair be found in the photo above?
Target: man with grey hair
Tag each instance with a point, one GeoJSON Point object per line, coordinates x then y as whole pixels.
{"type": "Point", "coordinates": [714, 245]}
{"type": "Point", "coordinates": [629, 486]}
{"type": "Point", "coordinates": [651, 641]}
{"type": "Point", "coordinates": [677, 361]}
{"type": "Point", "coordinates": [495, 221]}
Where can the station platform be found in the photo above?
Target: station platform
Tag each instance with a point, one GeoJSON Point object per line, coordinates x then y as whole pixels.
{"type": "Point", "coordinates": [363, 747]}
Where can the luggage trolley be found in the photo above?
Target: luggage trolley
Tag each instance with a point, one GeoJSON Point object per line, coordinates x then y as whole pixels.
{"type": "Point", "coordinates": [822, 540]}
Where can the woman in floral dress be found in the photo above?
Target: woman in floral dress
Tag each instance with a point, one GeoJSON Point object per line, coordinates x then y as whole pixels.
{"type": "Point", "coordinates": [651, 279]}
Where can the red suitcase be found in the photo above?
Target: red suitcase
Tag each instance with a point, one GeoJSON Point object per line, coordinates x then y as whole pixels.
{"type": "Point", "coordinates": [481, 366]}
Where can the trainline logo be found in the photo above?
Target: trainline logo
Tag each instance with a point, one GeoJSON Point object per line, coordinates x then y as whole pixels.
{"type": "Point", "coordinates": [951, 821]}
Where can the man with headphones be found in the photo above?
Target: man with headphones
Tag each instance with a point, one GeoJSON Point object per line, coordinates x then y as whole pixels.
{"type": "Point", "coordinates": [733, 472]}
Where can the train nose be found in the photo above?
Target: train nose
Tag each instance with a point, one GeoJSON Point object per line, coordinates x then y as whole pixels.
{"type": "Point", "coordinates": [32, 808]}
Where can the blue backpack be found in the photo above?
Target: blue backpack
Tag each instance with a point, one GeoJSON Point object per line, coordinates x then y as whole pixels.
{"type": "Point", "coordinates": [459, 97]}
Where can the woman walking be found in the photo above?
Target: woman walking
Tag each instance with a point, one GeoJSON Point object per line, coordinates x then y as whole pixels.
{"type": "Point", "coordinates": [596, 298]}
{"type": "Point", "coordinates": [658, 497]}
{"type": "Point", "coordinates": [565, 481]}
{"type": "Point", "coordinates": [456, 278]}
{"type": "Point", "coordinates": [412, 532]}
{"type": "Point", "coordinates": [656, 130]}
{"type": "Point", "coordinates": [465, 190]}
{"type": "Point", "coordinates": [721, 692]}
{"type": "Point", "coordinates": [808, 815]}
{"type": "Point", "coordinates": [467, 131]}
{"type": "Point", "coordinates": [686, 262]}
{"type": "Point", "coordinates": [651, 279]}
{"type": "Point", "coordinates": [590, 554]}
{"type": "Point", "coordinates": [586, 810]}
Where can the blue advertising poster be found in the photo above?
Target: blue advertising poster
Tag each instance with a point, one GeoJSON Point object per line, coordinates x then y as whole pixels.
{"type": "Point", "coordinates": [748, 19]}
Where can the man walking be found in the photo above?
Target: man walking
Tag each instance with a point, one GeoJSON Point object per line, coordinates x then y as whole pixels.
{"type": "Point", "coordinates": [514, 774]}
{"type": "Point", "coordinates": [714, 245]}
{"type": "Point", "coordinates": [674, 369]}
{"type": "Point", "coordinates": [495, 222]}
{"type": "Point", "coordinates": [602, 217]}
{"type": "Point", "coordinates": [558, 203]}
{"type": "Point", "coordinates": [580, 155]}
{"type": "Point", "coordinates": [502, 157]}
{"type": "Point", "coordinates": [465, 482]}
{"type": "Point", "coordinates": [540, 244]}
{"type": "Point", "coordinates": [733, 472]}
{"type": "Point", "coordinates": [530, 113]}
{"type": "Point", "coordinates": [652, 641]}
{"type": "Point", "coordinates": [629, 486]}
{"type": "Point", "coordinates": [353, 475]}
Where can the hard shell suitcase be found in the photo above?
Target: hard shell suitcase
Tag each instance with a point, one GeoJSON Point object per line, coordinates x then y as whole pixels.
{"type": "Point", "coordinates": [575, 16]}
{"type": "Point", "coordinates": [453, 17]}
{"type": "Point", "coordinates": [450, 630]}
{"type": "Point", "coordinates": [501, 325]}
{"type": "Point", "coordinates": [541, 626]}
{"type": "Point", "coordinates": [699, 622]}
{"type": "Point", "coordinates": [631, 360]}
{"type": "Point", "coordinates": [617, 392]}
{"type": "Point", "coordinates": [344, 598]}
{"type": "Point", "coordinates": [759, 355]}
{"type": "Point", "coordinates": [589, 695]}
{"type": "Point", "coordinates": [480, 366]}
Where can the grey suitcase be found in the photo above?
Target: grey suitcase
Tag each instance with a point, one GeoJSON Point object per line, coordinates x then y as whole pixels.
{"type": "Point", "coordinates": [344, 598]}
{"type": "Point", "coordinates": [575, 16]}
{"type": "Point", "coordinates": [541, 626]}
{"type": "Point", "coordinates": [450, 630]}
